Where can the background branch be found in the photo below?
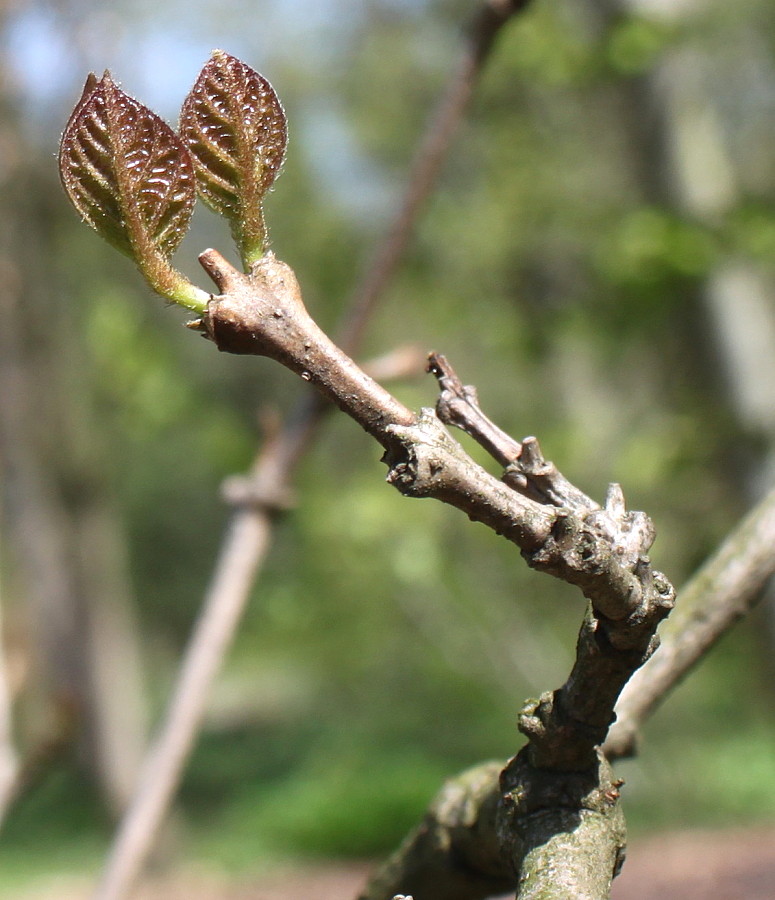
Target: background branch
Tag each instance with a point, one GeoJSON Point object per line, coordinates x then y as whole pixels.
{"type": "Point", "coordinates": [9, 760]}
{"type": "Point", "coordinates": [424, 171]}
{"type": "Point", "coordinates": [724, 590]}
{"type": "Point", "coordinates": [247, 545]}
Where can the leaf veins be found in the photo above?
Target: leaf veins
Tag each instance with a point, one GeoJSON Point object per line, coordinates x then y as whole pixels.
{"type": "Point", "coordinates": [127, 173]}
{"type": "Point", "coordinates": [235, 129]}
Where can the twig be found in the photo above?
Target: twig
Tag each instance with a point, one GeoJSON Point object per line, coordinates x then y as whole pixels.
{"type": "Point", "coordinates": [222, 610]}
{"type": "Point", "coordinates": [458, 405]}
{"type": "Point", "coordinates": [525, 468]}
{"type": "Point", "coordinates": [559, 821]}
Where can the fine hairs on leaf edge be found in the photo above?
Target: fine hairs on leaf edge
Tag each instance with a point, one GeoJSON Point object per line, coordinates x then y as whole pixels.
{"type": "Point", "coordinates": [130, 178]}
{"type": "Point", "coordinates": [236, 130]}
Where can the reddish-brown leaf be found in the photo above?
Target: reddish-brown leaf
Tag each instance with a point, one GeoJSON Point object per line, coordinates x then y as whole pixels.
{"type": "Point", "coordinates": [127, 173]}
{"type": "Point", "coordinates": [235, 128]}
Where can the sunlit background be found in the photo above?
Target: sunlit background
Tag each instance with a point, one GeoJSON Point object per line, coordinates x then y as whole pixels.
{"type": "Point", "coordinates": [598, 260]}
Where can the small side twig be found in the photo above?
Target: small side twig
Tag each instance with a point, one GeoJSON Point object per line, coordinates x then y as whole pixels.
{"type": "Point", "coordinates": [526, 470]}
{"type": "Point", "coordinates": [458, 405]}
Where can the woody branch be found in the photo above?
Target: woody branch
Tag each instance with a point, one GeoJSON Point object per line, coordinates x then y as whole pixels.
{"type": "Point", "coordinates": [560, 530]}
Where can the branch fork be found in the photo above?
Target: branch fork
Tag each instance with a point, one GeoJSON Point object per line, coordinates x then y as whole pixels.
{"type": "Point", "coordinates": [426, 461]}
{"type": "Point", "coordinates": [558, 794]}
{"type": "Point", "coordinates": [560, 530]}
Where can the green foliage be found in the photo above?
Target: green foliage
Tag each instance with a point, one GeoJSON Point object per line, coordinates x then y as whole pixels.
{"type": "Point", "coordinates": [752, 231]}
{"type": "Point", "coordinates": [649, 247]}
{"type": "Point", "coordinates": [635, 43]}
{"type": "Point", "coordinates": [52, 829]}
{"type": "Point", "coordinates": [341, 802]}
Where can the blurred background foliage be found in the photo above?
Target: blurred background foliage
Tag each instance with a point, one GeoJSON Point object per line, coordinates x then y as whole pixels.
{"type": "Point", "coordinates": [597, 260]}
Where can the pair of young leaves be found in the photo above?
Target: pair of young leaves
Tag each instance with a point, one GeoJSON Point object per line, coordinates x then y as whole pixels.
{"type": "Point", "coordinates": [135, 181]}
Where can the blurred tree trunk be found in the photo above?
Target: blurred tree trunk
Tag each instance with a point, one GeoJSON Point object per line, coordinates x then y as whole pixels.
{"type": "Point", "coordinates": [680, 142]}
{"type": "Point", "coordinates": [65, 536]}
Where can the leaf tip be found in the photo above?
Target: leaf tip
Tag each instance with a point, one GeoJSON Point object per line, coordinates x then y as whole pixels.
{"type": "Point", "coordinates": [91, 83]}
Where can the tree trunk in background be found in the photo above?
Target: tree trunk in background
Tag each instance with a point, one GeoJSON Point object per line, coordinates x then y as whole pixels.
{"type": "Point", "coordinates": [687, 167]}
{"type": "Point", "coordinates": [680, 145]}
{"type": "Point", "coordinates": [64, 534]}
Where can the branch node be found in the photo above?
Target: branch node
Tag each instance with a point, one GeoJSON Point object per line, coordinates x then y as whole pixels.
{"type": "Point", "coordinates": [515, 479]}
{"type": "Point", "coordinates": [547, 815]}
{"type": "Point", "coordinates": [531, 460]}
{"type": "Point", "coordinates": [664, 589]}
{"type": "Point", "coordinates": [614, 501]}
{"type": "Point", "coordinates": [244, 491]}
{"type": "Point", "coordinates": [415, 463]}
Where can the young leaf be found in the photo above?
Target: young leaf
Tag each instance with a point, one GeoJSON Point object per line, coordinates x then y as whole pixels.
{"type": "Point", "coordinates": [235, 128]}
{"type": "Point", "coordinates": [132, 179]}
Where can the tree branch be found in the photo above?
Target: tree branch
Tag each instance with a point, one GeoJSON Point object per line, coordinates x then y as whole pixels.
{"type": "Point", "coordinates": [723, 591]}
{"type": "Point", "coordinates": [559, 792]}
{"type": "Point", "coordinates": [454, 852]}
{"type": "Point", "coordinates": [563, 832]}
{"type": "Point", "coordinates": [602, 551]}
{"type": "Point", "coordinates": [263, 314]}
